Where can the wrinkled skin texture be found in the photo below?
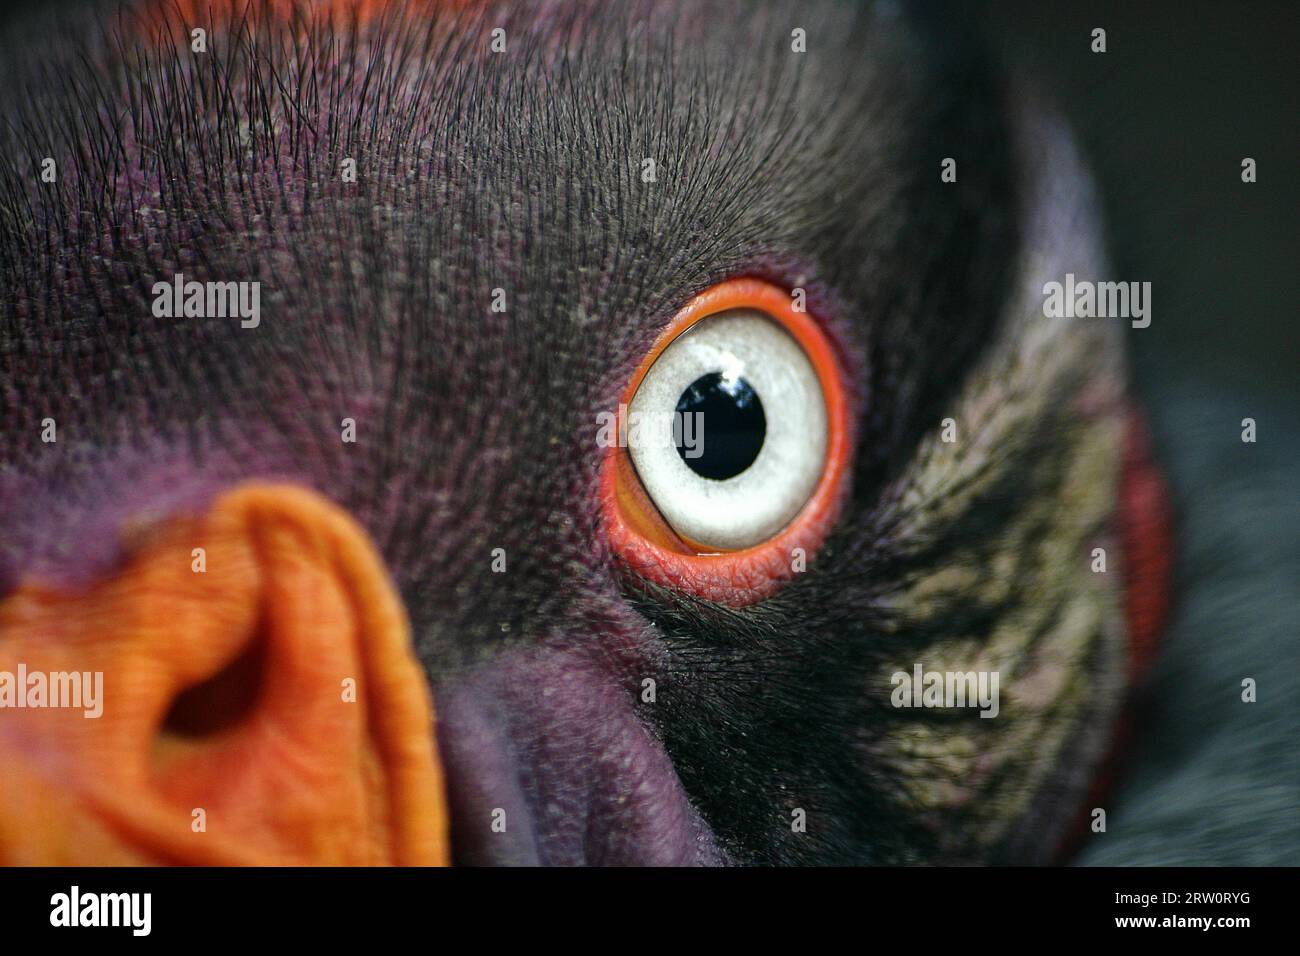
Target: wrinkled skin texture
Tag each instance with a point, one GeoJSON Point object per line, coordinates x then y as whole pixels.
{"type": "Point", "coordinates": [476, 430]}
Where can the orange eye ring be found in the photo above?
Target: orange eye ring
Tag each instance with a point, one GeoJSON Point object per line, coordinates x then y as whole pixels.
{"type": "Point", "coordinates": [638, 534]}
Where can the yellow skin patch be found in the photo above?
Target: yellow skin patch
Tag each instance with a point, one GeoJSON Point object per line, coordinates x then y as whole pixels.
{"type": "Point", "coordinates": [1043, 413]}
{"type": "Point", "coordinates": [308, 773]}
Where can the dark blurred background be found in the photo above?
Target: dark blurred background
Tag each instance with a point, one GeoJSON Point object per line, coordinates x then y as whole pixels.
{"type": "Point", "coordinates": [1184, 92]}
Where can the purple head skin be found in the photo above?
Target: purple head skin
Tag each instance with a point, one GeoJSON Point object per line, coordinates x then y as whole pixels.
{"type": "Point", "coordinates": [546, 737]}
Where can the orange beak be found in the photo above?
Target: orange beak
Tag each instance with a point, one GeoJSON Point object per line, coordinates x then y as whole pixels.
{"type": "Point", "coordinates": [242, 691]}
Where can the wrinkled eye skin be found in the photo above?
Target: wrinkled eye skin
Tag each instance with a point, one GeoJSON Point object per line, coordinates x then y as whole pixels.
{"type": "Point", "coordinates": [738, 537]}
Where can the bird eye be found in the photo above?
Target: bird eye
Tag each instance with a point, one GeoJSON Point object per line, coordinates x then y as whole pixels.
{"type": "Point", "coordinates": [732, 446]}
{"type": "Point", "coordinates": [728, 431]}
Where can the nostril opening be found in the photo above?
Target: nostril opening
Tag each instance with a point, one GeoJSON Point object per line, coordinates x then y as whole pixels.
{"type": "Point", "coordinates": [222, 701]}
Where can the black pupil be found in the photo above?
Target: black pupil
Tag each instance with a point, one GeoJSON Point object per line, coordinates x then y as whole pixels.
{"type": "Point", "coordinates": [721, 426]}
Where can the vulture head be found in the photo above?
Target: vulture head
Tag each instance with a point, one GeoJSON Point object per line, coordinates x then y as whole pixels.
{"type": "Point", "coordinates": [545, 433]}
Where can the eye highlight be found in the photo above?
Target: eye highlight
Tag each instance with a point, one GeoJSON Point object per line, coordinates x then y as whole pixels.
{"type": "Point", "coordinates": [733, 447]}
{"type": "Point", "coordinates": [739, 425]}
